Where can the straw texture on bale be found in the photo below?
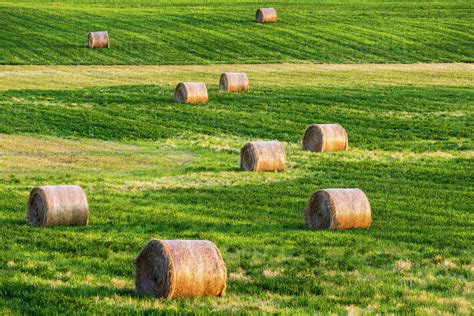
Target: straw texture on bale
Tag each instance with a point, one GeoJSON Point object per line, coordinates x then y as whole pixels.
{"type": "Point", "coordinates": [325, 137]}
{"type": "Point", "coordinates": [180, 268]}
{"type": "Point", "coordinates": [266, 15]}
{"type": "Point", "coordinates": [234, 82]}
{"type": "Point", "coordinates": [338, 209]}
{"type": "Point", "coordinates": [191, 92]}
{"type": "Point", "coordinates": [262, 156]}
{"type": "Point", "coordinates": [57, 205]}
{"type": "Point", "coordinates": [98, 40]}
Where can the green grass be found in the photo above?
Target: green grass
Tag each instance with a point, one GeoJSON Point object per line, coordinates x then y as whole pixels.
{"type": "Point", "coordinates": [154, 168]}
{"type": "Point", "coordinates": [197, 32]}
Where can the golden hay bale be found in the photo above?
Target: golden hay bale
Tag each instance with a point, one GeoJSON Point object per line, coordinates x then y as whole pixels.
{"type": "Point", "coordinates": [57, 205]}
{"type": "Point", "coordinates": [98, 40]}
{"type": "Point", "coordinates": [325, 137]}
{"type": "Point", "coordinates": [338, 209]}
{"type": "Point", "coordinates": [267, 15]}
{"type": "Point", "coordinates": [191, 92]}
{"type": "Point", "coordinates": [234, 82]}
{"type": "Point", "coordinates": [262, 156]}
{"type": "Point", "coordinates": [180, 268]}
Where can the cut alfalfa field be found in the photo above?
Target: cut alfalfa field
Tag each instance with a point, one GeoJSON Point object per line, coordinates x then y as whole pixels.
{"type": "Point", "coordinates": [225, 31]}
{"type": "Point", "coordinates": [154, 168]}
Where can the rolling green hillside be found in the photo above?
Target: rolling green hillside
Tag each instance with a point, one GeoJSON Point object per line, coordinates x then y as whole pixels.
{"type": "Point", "coordinates": [197, 32]}
{"type": "Point", "coordinates": [154, 168]}
{"type": "Point", "coordinates": [397, 75]}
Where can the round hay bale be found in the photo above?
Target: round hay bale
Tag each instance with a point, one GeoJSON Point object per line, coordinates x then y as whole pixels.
{"type": "Point", "coordinates": [180, 268]}
{"type": "Point", "coordinates": [325, 137]}
{"type": "Point", "coordinates": [98, 40]}
{"type": "Point", "coordinates": [262, 156]}
{"type": "Point", "coordinates": [234, 82]}
{"type": "Point", "coordinates": [267, 15]}
{"type": "Point", "coordinates": [191, 92]}
{"type": "Point", "coordinates": [57, 205]}
{"type": "Point", "coordinates": [338, 209]}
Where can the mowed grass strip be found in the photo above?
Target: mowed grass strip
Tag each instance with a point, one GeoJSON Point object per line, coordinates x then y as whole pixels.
{"type": "Point", "coordinates": [198, 32]}
{"type": "Point", "coordinates": [274, 75]}
{"type": "Point", "coordinates": [155, 168]}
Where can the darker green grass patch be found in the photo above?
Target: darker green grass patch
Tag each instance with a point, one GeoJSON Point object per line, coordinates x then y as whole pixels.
{"type": "Point", "coordinates": [392, 118]}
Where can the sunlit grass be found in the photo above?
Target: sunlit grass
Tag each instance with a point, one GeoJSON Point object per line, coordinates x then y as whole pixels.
{"type": "Point", "coordinates": [155, 168]}
{"type": "Point", "coordinates": [198, 32]}
{"type": "Point", "coordinates": [268, 75]}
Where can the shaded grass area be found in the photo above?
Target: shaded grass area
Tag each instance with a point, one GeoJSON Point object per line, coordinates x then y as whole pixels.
{"type": "Point", "coordinates": [197, 32]}
{"type": "Point", "coordinates": [154, 168]}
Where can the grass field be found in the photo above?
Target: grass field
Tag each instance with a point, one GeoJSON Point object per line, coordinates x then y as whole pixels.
{"type": "Point", "coordinates": [154, 168]}
{"type": "Point", "coordinates": [398, 75]}
{"type": "Point", "coordinates": [224, 31]}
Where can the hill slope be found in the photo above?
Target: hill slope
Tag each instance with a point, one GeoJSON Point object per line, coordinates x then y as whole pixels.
{"type": "Point", "coordinates": [154, 168]}
{"type": "Point", "coordinates": [198, 32]}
